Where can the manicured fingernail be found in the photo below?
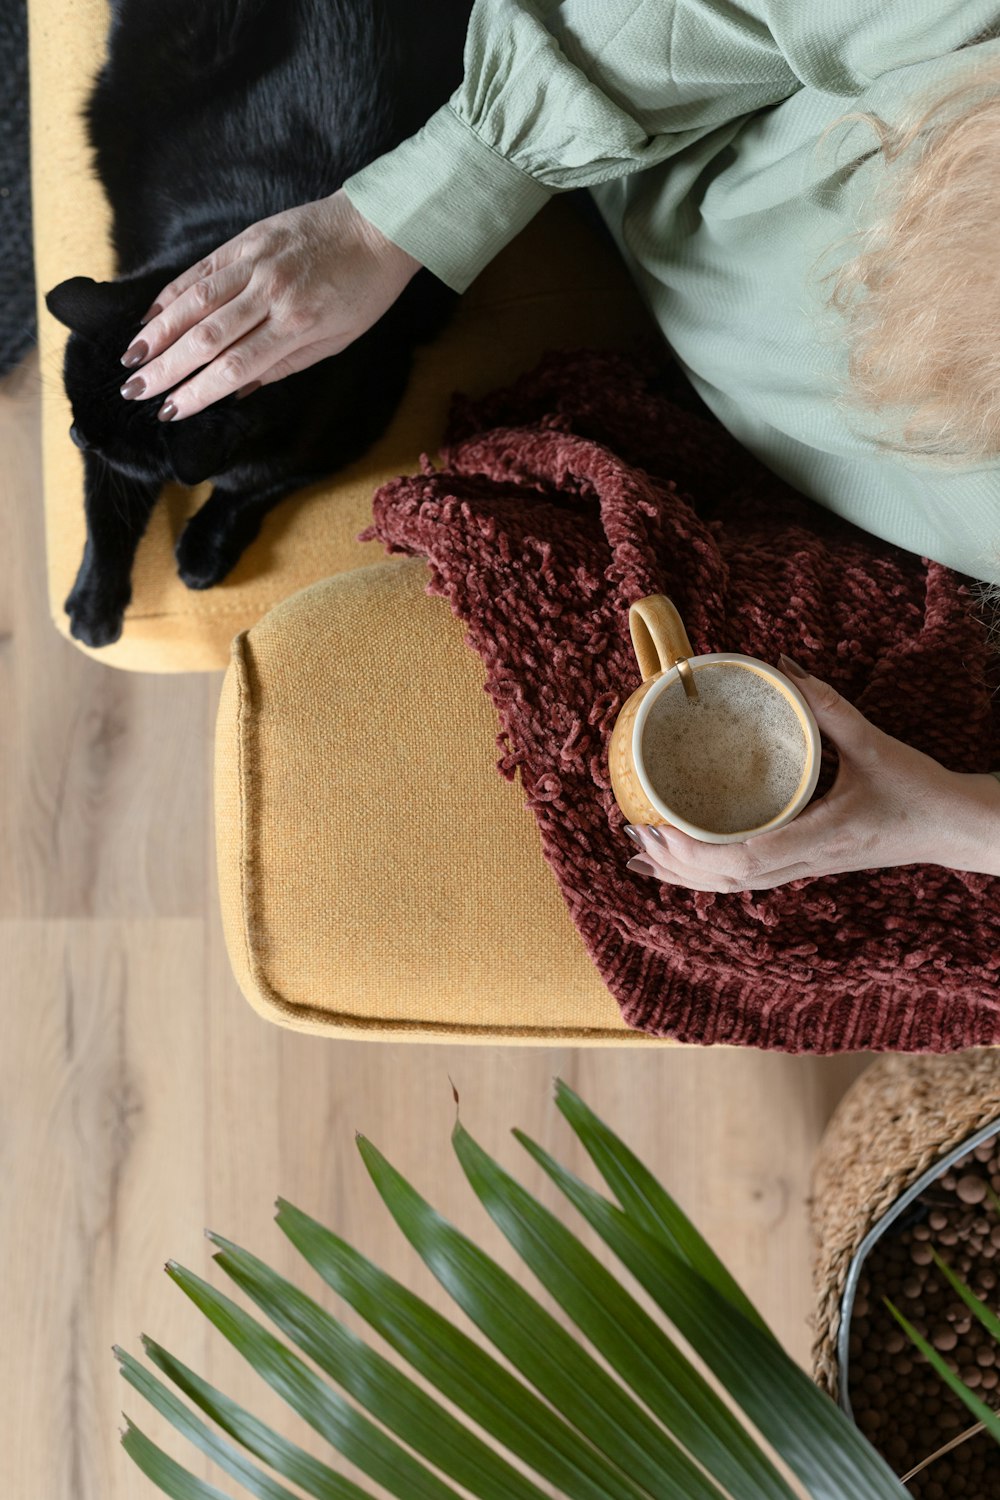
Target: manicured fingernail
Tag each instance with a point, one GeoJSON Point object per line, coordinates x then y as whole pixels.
{"type": "Point", "coordinates": [133, 388]}
{"type": "Point", "coordinates": [156, 308]}
{"type": "Point", "coordinates": [633, 835]}
{"type": "Point", "coordinates": [791, 667]}
{"type": "Point", "coordinates": [248, 390]}
{"type": "Point", "coordinates": [135, 353]}
{"type": "Point", "coordinates": [167, 412]}
{"type": "Point", "coordinates": [640, 866]}
{"type": "Point", "coordinates": [660, 834]}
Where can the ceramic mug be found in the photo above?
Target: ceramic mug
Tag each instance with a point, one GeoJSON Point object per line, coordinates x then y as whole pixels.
{"type": "Point", "coordinates": [664, 654]}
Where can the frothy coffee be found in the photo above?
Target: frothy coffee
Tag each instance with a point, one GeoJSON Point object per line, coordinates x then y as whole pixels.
{"type": "Point", "coordinates": [731, 760]}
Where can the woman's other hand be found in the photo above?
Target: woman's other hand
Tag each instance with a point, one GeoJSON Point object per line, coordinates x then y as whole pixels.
{"type": "Point", "coordinates": [283, 294]}
{"type": "Point", "coordinates": [890, 805]}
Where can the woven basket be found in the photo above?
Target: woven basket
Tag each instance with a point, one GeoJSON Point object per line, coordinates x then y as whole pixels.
{"type": "Point", "coordinates": [902, 1115]}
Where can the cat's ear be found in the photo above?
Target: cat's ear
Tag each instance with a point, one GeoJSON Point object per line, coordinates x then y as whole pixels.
{"type": "Point", "coordinates": [202, 446]}
{"type": "Point", "coordinates": [90, 307]}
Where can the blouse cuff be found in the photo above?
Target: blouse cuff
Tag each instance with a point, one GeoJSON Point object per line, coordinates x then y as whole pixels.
{"type": "Point", "coordinates": [447, 198]}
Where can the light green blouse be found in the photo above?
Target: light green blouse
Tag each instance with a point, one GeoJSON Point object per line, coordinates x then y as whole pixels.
{"type": "Point", "coordinates": [697, 125]}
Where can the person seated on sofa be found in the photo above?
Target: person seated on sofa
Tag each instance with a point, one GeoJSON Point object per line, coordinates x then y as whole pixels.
{"type": "Point", "coordinates": [861, 367]}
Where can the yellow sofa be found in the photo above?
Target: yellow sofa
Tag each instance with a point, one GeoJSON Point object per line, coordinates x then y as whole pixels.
{"type": "Point", "coordinates": [377, 876]}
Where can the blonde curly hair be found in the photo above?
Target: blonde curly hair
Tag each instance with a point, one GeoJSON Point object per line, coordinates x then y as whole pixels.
{"type": "Point", "coordinates": [921, 297]}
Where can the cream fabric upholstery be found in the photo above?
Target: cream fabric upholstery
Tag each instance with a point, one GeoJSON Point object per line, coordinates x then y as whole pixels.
{"type": "Point", "coordinates": [378, 876]}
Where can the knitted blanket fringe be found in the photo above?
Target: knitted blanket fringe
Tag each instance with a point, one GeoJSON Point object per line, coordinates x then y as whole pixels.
{"type": "Point", "coordinates": [597, 479]}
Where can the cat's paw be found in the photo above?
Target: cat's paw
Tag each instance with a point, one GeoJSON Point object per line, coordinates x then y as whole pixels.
{"type": "Point", "coordinates": [94, 619]}
{"type": "Point", "coordinates": [202, 560]}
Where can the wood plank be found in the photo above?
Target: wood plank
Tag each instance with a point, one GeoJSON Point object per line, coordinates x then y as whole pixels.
{"type": "Point", "coordinates": [101, 1146]}
{"type": "Point", "coordinates": [104, 807]}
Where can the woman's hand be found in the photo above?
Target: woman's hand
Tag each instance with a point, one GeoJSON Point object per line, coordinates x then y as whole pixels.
{"type": "Point", "coordinates": [281, 295]}
{"type": "Point", "coordinates": [890, 805]}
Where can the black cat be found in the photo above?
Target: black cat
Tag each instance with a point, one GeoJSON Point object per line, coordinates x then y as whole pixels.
{"type": "Point", "coordinates": [207, 116]}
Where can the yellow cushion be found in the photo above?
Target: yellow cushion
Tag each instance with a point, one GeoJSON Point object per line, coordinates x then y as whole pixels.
{"type": "Point", "coordinates": [378, 876]}
{"type": "Point", "coordinates": [557, 285]}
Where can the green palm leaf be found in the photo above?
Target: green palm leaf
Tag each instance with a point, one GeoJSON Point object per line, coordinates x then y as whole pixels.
{"type": "Point", "coordinates": [804, 1426]}
{"type": "Point", "coordinates": [651, 1426]}
{"type": "Point", "coordinates": [352, 1434]}
{"type": "Point", "coordinates": [164, 1471]}
{"type": "Point", "coordinates": [979, 1310]}
{"type": "Point", "coordinates": [309, 1473]}
{"type": "Point", "coordinates": [646, 1202]}
{"type": "Point", "coordinates": [982, 1413]}
{"type": "Point", "coordinates": [379, 1386]}
{"type": "Point", "coordinates": [635, 1346]}
{"type": "Point", "coordinates": [537, 1345]}
{"type": "Point", "coordinates": [463, 1372]}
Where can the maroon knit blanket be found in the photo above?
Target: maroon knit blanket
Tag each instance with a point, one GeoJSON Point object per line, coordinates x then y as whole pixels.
{"type": "Point", "coordinates": [596, 480]}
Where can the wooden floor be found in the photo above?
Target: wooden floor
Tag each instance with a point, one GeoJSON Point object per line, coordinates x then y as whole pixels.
{"type": "Point", "coordinates": [141, 1098]}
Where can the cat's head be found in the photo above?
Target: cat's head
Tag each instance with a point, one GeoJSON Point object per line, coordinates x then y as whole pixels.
{"type": "Point", "coordinates": [103, 318]}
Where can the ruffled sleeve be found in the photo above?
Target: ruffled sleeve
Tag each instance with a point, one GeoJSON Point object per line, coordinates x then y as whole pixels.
{"type": "Point", "coordinates": [557, 97]}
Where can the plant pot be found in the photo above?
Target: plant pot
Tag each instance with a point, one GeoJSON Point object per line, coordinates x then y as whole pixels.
{"type": "Point", "coordinates": [876, 1181]}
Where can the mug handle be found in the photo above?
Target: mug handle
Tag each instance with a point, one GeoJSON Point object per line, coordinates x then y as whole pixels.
{"type": "Point", "coordinates": [658, 635]}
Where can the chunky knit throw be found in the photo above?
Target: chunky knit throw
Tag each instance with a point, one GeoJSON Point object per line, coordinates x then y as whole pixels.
{"type": "Point", "coordinates": [596, 480]}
